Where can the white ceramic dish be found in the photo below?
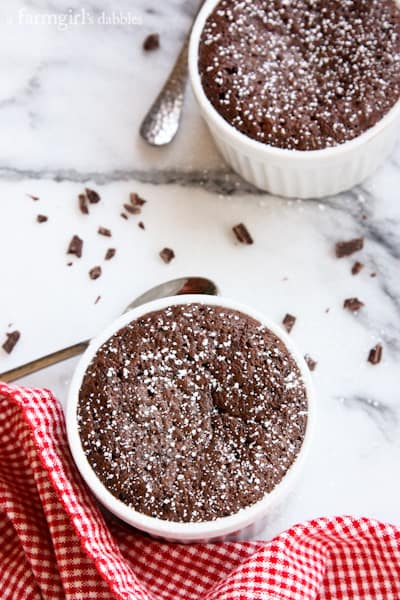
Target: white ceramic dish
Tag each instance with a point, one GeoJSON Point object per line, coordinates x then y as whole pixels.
{"type": "Point", "coordinates": [236, 526]}
{"type": "Point", "coordinates": [292, 173]}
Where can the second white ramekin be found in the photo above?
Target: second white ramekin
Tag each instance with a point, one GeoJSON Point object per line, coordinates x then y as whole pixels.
{"type": "Point", "coordinates": [292, 173]}
{"type": "Point", "coordinates": [238, 526]}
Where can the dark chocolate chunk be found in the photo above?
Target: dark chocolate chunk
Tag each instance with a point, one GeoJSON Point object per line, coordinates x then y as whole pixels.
{"type": "Point", "coordinates": [104, 231]}
{"type": "Point", "coordinates": [353, 304]}
{"type": "Point", "coordinates": [42, 218]}
{"type": "Point", "coordinates": [242, 234]}
{"type": "Point", "coordinates": [141, 225]}
{"type": "Point", "coordinates": [134, 210]}
{"type": "Point", "coordinates": [95, 272]}
{"type": "Point", "coordinates": [92, 196]}
{"type": "Point", "coordinates": [375, 354]}
{"type": "Point", "coordinates": [349, 247]}
{"type": "Point", "coordinates": [12, 339]}
{"type": "Point", "coordinates": [167, 255]}
{"type": "Point", "coordinates": [83, 207]}
{"type": "Point", "coordinates": [152, 42]}
{"type": "Point", "coordinates": [136, 200]}
{"type": "Point", "coordinates": [288, 322]}
{"type": "Point", "coordinates": [311, 363]}
{"type": "Point", "coordinates": [75, 246]}
{"type": "Point", "coordinates": [357, 267]}
{"type": "Point", "coordinates": [110, 254]}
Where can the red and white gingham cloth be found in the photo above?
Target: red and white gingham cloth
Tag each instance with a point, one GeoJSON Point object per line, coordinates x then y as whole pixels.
{"type": "Point", "coordinates": [55, 543]}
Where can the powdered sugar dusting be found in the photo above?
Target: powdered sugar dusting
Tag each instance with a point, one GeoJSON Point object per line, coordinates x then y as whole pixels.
{"type": "Point", "coordinates": [302, 74]}
{"type": "Point", "coordinates": [192, 413]}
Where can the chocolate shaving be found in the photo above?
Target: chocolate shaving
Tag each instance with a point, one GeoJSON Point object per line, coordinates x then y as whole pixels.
{"type": "Point", "coordinates": [311, 363]}
{"type": "Point", "coordinates": [353, 304]}
{"type": "Point", "coordinates": [83, 207]}
{"type": "Point", "coordinates": [134, 210]}
{"type": "Point", "coordinates": [136, 200]}
{"type": "Point", "coordinates": [152, 42]}
{"type": "Point", "coordinates": [75, 246]}
{"type": "Point", "coordinates": [141, 225]}
{"type": "Point", "coordinates": [97, 300]}
{"type": "Point", "coordinates": [110, 254]}
{"type": "Point", "coordinates": [42, 218]}
{"type": "Point", "coordinates": [349, 247]}
{"type": "Point", "coordinates": [124, 216]}
{"type": "Point", "coordinates": [375, 354]}
{"type": "Point", "coordinates": [12, 339]}
{"type": "Point", "coordinates": [242, 234]}
{"type": "Point", "coordinates": [92, 196]}
{"type": "Point", "coordinates": [288, 322]}
{"type": "Point", "coordinates": [95, 272]}
{"type": "Point", "coordinates": [167, 255]}
{"type": "Point", "coordinates": [373, 274]}
{"type": "Point", "coordinates": [104, 231]}
{"type": "Point", "coordinates": [33, 197]}
{"type": "Point", "coordinates": [357, 267]}
{"type": "Point", "coordinates": [69, 264]}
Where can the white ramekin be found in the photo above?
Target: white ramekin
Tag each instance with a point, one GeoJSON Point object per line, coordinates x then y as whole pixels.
{"type": "Point", "coordinates": [292, 173]}
{"type": "Point", "coordinates": [237, 526]}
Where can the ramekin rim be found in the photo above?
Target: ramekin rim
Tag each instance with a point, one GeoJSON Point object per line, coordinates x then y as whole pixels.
{"type": "Point", "coordinates": [255, 145]}
{"type": "Point", "coordinates": [182, 530]}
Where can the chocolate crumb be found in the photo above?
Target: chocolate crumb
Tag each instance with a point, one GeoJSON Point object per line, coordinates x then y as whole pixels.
{"type": "Point", "coordinates": [349, 247]}
{"type": "Point", "coordinates": [167, 255]}
{"type": "Point", "coordinates": [75, 246]}
{"type": "Point", "coordinates": [110, 254]}
{"type": "Point", "coordinates": [353, 304]}
{"type": "Point", "coordinates": [35, 198]}
{"type": "Point", "coordinates": [357, 267]}
{"type": "Point", "coordinates": [92, 196]}
{"type": "Point", "coordinates": [83, 207]}
{"type": "Point", "coordinates": [134, 210]}
{"type": "Point", "coordinates": [104, 231]}
{"type": "Point", "coordinates": [136, 200]}
{"type": "Point", "coordinates": [375, 354]}
{"type": "Point", "coordinates": [97, 300]}
{"type": "Point", "coordinates": [311, 363]}
{"type": "Point", "coordinates": [95, 272]}
{"type": "Point", "coordinates": [141, 225]}
{"type": "Point", "coordinates": [69, 264]}
{"type": "Point", "coordinates": [152, 42]}
{"type": "Point", "coordinates": [327, 310]}
{"type": "Point", "coordinates": [12, 339]}
{"type": "Point", "coordinates": [124, 216]}
{"type": "Point", "coordinates": [42, 218]}
{"type": "Point", "coordinates": [242, 234]}
{"type": "Point", "coordinates": [373, 274]}
{"type": "Point", "coordinates": [288, 322]}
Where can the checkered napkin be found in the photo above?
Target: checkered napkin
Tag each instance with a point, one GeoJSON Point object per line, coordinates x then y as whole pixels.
{"type": "Point", "coordinates": [55, 543]}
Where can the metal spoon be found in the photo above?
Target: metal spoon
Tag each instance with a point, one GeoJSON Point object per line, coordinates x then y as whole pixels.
{"type": "Point", "coordinates": [161, 123]}
{"type": "Point", "coordinates": [175, 287]}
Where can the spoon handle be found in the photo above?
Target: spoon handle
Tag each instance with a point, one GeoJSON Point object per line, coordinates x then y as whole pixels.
{"type": "Point", "coordinates": [43, 362]}
{"type": "Point", "coordinates": [162, 121]}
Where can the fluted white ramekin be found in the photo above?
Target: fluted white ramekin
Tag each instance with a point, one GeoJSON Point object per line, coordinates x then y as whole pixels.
{"type": "Point", "coordinates": [292, 173]}
{"type": "Point", "coordinates": [238, 526]}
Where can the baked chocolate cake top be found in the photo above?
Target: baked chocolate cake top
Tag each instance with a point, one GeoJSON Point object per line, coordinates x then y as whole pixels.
{"type": "Point", "coordinates": [192, 412]}
{"type": "Point", "coordinates": [302, 74]}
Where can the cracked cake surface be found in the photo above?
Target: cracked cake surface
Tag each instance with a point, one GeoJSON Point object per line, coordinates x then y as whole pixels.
{"type": "Point", "coordinates": [302, 74]}
{"type": "Point", "coordinates": [192, 412]}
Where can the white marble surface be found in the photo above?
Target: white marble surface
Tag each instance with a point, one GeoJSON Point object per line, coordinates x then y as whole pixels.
{"type": "Point", "coordinates": [70, 106]}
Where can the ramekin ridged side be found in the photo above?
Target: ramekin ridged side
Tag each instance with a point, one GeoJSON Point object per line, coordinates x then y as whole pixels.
{"type": "Point", "coordinates": [244, 523]}
{"type": "Point", "coordinates": [292, 173]}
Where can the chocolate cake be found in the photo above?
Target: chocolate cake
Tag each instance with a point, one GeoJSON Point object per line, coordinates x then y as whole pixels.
{"type": "Point", "coordinates": [192, 412]}
{"type": "Point", "coordinates": [304, 74]}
